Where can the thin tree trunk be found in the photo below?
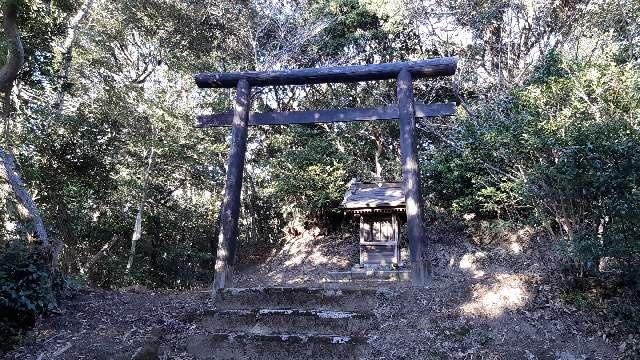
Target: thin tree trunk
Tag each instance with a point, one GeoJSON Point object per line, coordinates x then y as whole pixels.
{"type": "Point", "coordinates": [67, 51]}
{"type": "Point", "coordinates": [213, 239]}
{"type": "Point", "coordinates": [8, 74]}
{"type": "Point", "coordinates": [17, 185]}
{"type": "Point", "coordinates": [379, 150]}
{"type": "Point", "coordinates": [253, 207]}
{"type": "Point", "coordinates": [12, 65]}
{"type": "Point", "coordinates": [137, 228]}
{"type": "Point", "coordinates": [94, 259]}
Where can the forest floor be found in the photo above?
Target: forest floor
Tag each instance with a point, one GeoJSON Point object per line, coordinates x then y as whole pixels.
{"type": "Point", "coordinates": [498, 301]}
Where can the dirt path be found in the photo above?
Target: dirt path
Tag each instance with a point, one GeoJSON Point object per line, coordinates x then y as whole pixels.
{"type": "Point", "coordinates": [481, 319]}
{"type": "Point", "coordinates": [495, 317]}
{"type": "Point", "coordinates": [496, 304]}
{"type": "Point", "coordinates": [97, 324]}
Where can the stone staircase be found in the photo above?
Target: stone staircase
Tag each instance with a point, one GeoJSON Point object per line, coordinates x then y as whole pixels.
{"type": "Point", "coordinates": [287, 323]}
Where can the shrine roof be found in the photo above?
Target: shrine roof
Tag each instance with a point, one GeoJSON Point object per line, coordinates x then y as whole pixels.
{"type": "Point", "coordinates": [373, 195]}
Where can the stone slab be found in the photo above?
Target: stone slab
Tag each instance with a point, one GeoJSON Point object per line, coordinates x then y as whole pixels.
{"type": "Point", "coordinates": [223, 346]}
{"type": "Point", "coordinates": [269, 321]}
{"type": "Point", "coordinates": [356, 300]}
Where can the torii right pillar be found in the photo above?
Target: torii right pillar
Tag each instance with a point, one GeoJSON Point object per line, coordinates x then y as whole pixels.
{"type": "Point", "coordinates": [418, 244]}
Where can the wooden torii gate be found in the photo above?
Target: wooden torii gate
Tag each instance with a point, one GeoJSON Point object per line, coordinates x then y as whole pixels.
{"type": "Point", "coordinates": [406, 111]}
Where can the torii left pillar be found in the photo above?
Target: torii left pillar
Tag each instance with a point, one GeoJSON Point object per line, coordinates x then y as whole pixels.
{"type": "Point", "coordinates": [227, 238]}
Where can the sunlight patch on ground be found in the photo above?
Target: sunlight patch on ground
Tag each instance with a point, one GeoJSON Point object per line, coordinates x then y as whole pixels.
{"type": "Point", "coordinates": [306, 250]}
{"type": "Point", "coordinates": [303, 258]}
{"type": "Point", "coordinates": [469, 262]}
{"type": "Point", "coordinates": [515, 248]}
{"type": "Point", "coordinates": [507, 293]}
{"type": "Point", "coordinates": [277, 277]}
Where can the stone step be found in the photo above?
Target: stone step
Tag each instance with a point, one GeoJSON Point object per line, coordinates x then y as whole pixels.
{"type": "Point", "coordinates": [372, 275]}
{"type": "Point", "coordinates": [357, 300]}
{"type": "Point", "coordinates": [221, 346]}
{"type": "Point", "coordinates": [268, 321]}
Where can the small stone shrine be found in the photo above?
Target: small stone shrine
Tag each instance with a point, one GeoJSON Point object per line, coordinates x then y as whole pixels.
{"type": "Point", "coordinates": [379, 208]}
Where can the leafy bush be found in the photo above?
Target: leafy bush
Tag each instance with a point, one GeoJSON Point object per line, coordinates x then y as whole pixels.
{"type": "Point", "coordinates": [25, 291]}
{"type": "Point", "coordinates": [562, 152]}
{"type": "Point", "coordinates": [308, 175]}
{"type": "Point", "coordinates": [584, 164]}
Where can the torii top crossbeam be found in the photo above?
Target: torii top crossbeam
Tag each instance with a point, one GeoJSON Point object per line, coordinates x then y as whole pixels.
{"type": "Point", "coordinates": [418, 69]}
{"type": "Point", "coordinates": [405, 111]}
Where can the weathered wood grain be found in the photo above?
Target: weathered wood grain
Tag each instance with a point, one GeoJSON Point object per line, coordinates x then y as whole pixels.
{"type": "Point", "coordinates": [418, 69]}
{"type": "Point", "coordinates": [227, 238]}
{"type": "Point", "coordinates": [420, 262]}
{"type": "Point", "coordinates": [327, 116]}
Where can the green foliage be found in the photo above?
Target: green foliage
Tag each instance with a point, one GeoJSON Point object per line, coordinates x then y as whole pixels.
{"type": "Point", "coordinates": [25, 291]}
{"type": "Point", "coordinates": [355, 27]}
{"type": "Point", "coordinates": [309, 175]}
{"type": "Point", "coordinates": [587, 181]}
{"type": "Point", "coordinates": [562, 151]}
{"type": "Point", "coordinates": [550, 68]}
{"type": "Point", "coordinates": [156, 266]}
{"type": "Point", "coordinates": [359, 31]}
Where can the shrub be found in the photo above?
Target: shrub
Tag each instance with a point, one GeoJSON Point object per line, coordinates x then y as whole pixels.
{"type": "Point", "coordinates": [25, 290]}
{"type": "Point", "coordinates": [561, 151]}
{"type": "Point", "coordinates": [583, 160]}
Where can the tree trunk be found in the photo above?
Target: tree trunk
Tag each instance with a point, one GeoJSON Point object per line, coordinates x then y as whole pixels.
{"type": "Point", "coordinates": [94, 259]}
{"type": "Point", "coordinates": [8, 74]}
{"type": "Point", "coordinates": [14, 61]}
{"type": "Point", "coordinates": [254, 231]}
{"type": "Point", "coordinates": [67, 52]}
{"type": "Point", "coordinates": [137, 228]}
{"type": "Point", "coordinates": [379, 150]}
{"type": "Point", "coordinates": [15, 51]}
{"type": "Point", "coordinates": [66, 49]}
{"type": "Point", "coordinates": [17, 185]}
